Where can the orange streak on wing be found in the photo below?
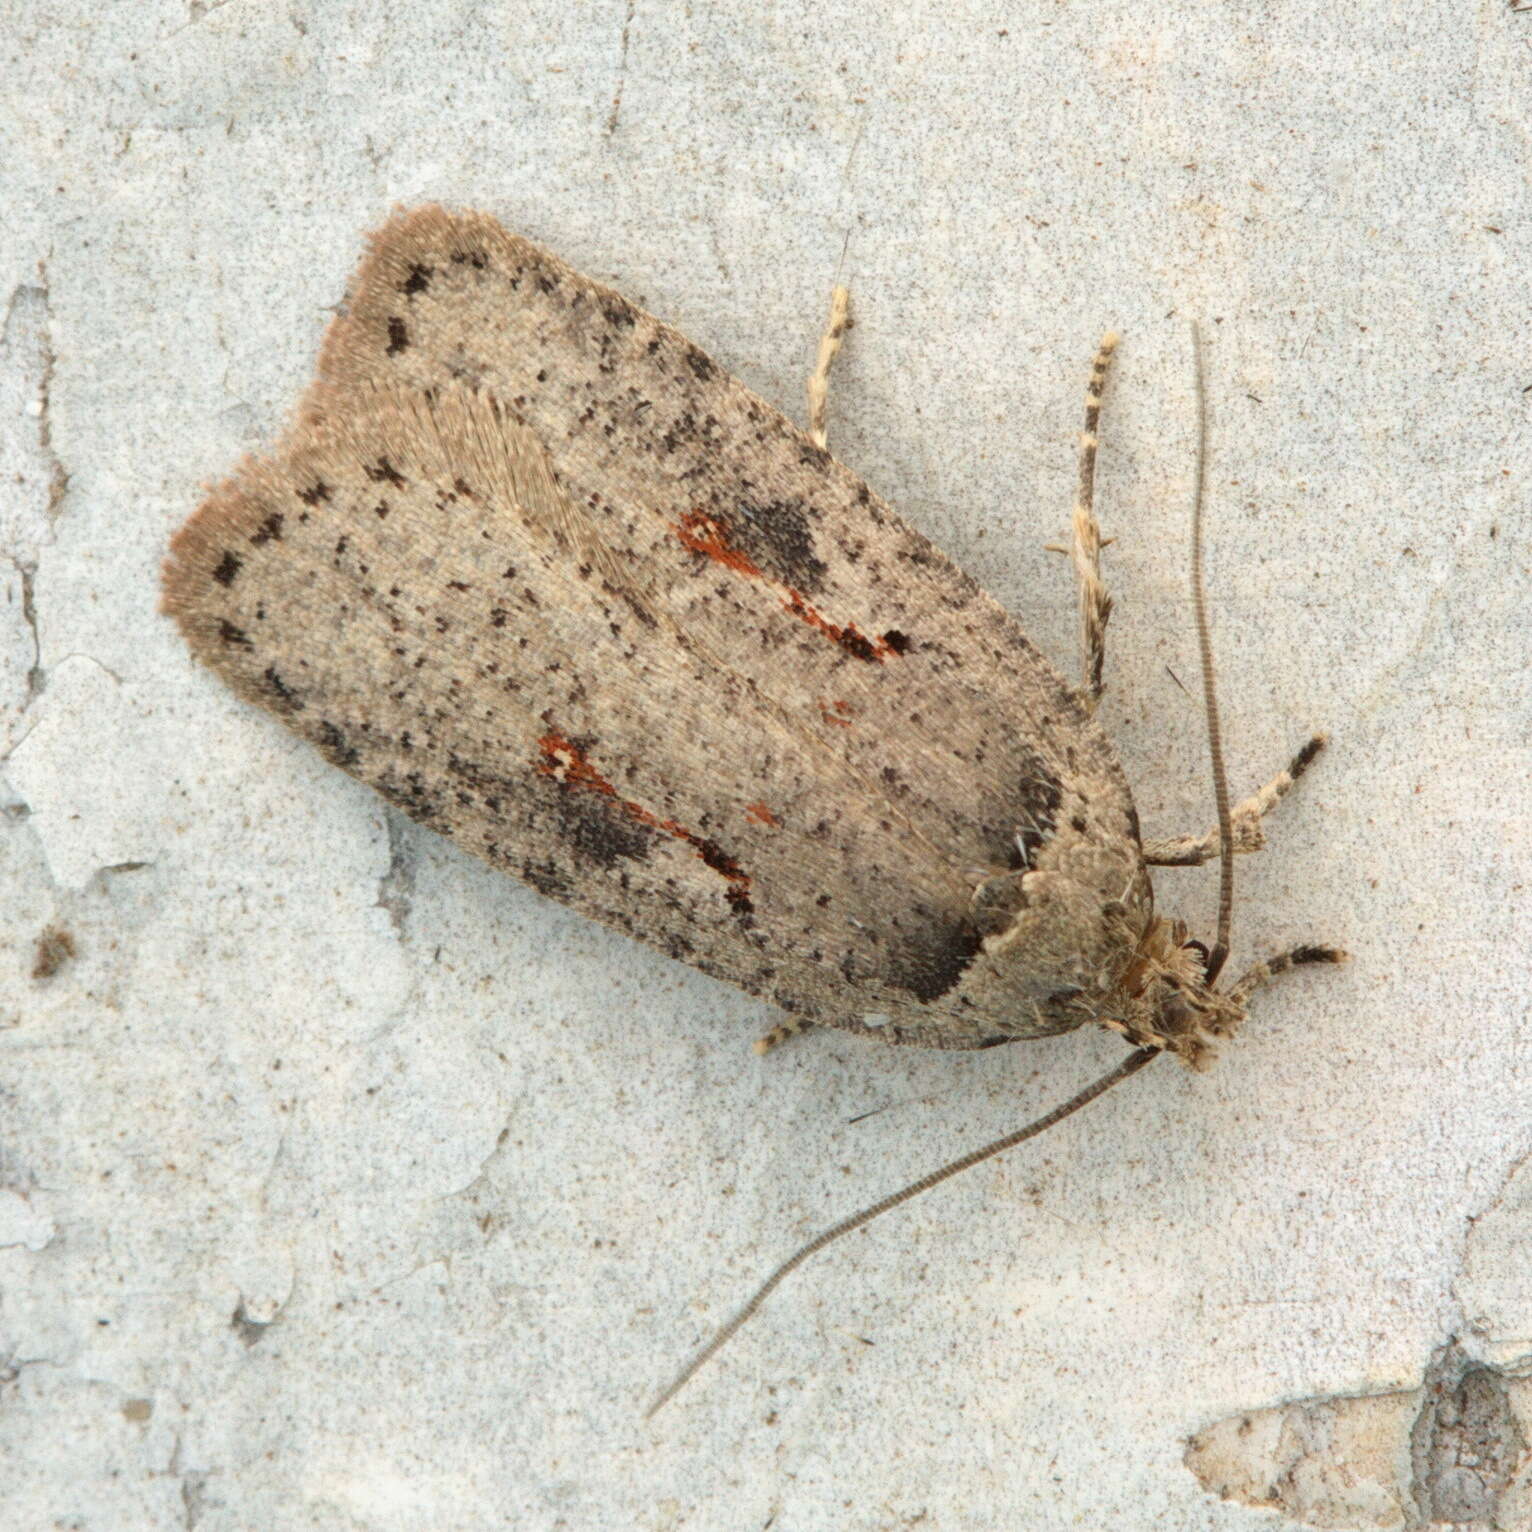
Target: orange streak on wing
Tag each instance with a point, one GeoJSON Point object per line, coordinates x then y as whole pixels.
{"type": "Point", "coordinates": [568, 764]}
{"type": "Point", "coordinates": [703, 534]}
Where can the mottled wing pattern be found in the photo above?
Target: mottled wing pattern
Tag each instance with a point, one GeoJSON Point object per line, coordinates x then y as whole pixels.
{"type": "Point", "coordinates": [535, 568]}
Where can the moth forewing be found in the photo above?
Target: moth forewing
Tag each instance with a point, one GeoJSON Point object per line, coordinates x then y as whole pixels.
{"type": "Point", "coordinates": [534, 567]}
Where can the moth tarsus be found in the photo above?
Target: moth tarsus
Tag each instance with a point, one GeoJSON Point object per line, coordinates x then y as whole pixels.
{"type": "Point", "coordinates": [1095, 602]}
{"type": "Point", "coordinates": [819, 380]}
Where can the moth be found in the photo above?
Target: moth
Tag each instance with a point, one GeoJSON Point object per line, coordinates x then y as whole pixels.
{"type": "Point", "coordinates": [534, 567]}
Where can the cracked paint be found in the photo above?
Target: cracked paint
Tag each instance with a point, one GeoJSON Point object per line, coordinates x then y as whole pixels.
{"type": "Point", "coordinates": [90, 808]}
{"type": "Point", "coordinates": [622, 71]}
{"type": "Point", "coordinates": [247, 1326]}
{"type": "Point", "coordinates": [1453, 1452]}
{"type": "Point", "coordinates": [24, 1222]}
{"type": "Point", "coordinates": [396, 888]}
{"type": "Point", "coordinates": [54, 948]}
{"type": "Point", "coordinates": [1494, 1286]}
{"type": "Point", "coordinates": [27, 368]}
{"type": "Point", "coordinates": [1467, 1443]}
{"type": "Point", "coordinates": [36, 483]}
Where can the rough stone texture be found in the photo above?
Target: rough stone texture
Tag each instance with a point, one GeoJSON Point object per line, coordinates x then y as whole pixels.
{"type": "Point", "coordinates": [1451, 1452]}
{"type": "Point", "coordinates": [346, 1185]}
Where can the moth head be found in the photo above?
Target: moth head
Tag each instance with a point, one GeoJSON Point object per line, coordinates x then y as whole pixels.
{"type": "Point", "coordinates": [1169, 1002]}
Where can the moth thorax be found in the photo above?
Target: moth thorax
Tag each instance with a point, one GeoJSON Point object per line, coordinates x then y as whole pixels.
{"type": "Point", "coordinates": [1168, 1003]}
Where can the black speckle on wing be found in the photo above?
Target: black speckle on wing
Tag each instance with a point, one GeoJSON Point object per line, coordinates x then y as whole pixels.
{"type": "Point", "coordinates": [547, 877]}
{"type": "Point", "coordinates": [414, 795]}
{"type": "Point", "coordinates": [595, 829]}
{"type": "Point", "coordinates": [335, 747]}
{"type": "Point", "coordinates": [777, 536]}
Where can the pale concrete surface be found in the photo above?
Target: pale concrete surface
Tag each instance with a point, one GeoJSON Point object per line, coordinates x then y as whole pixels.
{"type": "Point", "coordinates": [344, 1184]}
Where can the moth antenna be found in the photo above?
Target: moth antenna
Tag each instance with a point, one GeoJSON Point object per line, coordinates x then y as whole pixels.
{"type": "Point", "coordinates": [1220, 953]}
{"type": "Point", "coordinates": [1129, 1066]}
{"type": "Point", "coordinates": [840, 265]}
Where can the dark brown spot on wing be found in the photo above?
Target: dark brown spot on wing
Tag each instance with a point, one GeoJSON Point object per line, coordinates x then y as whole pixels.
{"type": "Point", "coordinates": [777, 534]}
{"type": "Point", "coordinates": [413, 795]}
{"type": "Point", "coordinates": [383, 472]}
{"type": "Point", "coordinates": [334, 747]}
{"type": "Point", "coordinates": [714, 538]}
{"type": "Point", "coordinates": [618, 312]}
{"type": "Point", "coordinates": [270, 530]}
{"type": "Point", "coordinates": [547, 878]}
{"type": "Point", "coordinates": [931, 954]}
{"type": "Point", "coordinates": [283, 693]}
{"type": "Point", "coordinates": [568, 763]}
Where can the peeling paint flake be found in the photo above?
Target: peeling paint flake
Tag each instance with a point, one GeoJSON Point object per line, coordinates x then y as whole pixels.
{"type": "Point", "coordinates": [1453, 1452]}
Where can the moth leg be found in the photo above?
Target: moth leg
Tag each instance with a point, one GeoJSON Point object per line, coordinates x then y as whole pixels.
{"type": "Point", "coordinates": [819, 380]}
{"type": "Point", "coordinates": [779, 1034]}
{"type": "Point", "coordinates": [1095, 602]}
{"type": "Point", "coordinates": [1261, 974]}
{"type": "Point", "coordinates": [1193, 850]}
